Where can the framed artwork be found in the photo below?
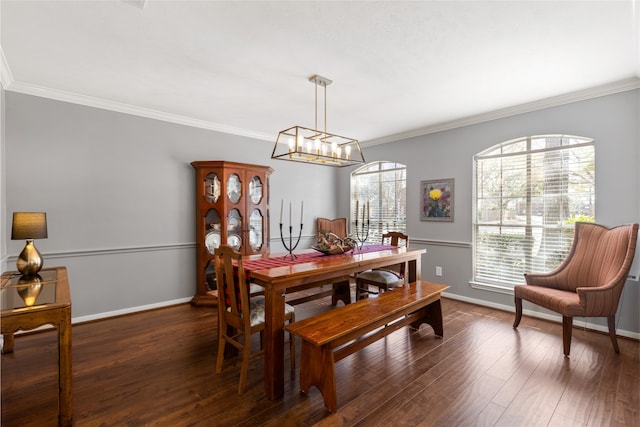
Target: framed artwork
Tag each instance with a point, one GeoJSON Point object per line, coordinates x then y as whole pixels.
{"type": "Point", "coordinates": [436, 200]}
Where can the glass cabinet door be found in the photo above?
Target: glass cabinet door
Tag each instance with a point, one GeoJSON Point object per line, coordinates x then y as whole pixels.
{"type": "Point", "coordinates": [213, 236]}
{"type": "Point", "coordinates": [255, 230]}
{"type": "Point", "coordinates": [212, 188]}
{"type": "Point", "coordinates": [234, 188]}
{"type": "Point", "coordinates": [255, 190]}
{"type": "Point", "coordinates": [234, 229]}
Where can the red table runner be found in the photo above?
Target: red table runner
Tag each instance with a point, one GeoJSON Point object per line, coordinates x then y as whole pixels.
{"type": "Point", "coordinates": [284, 260]}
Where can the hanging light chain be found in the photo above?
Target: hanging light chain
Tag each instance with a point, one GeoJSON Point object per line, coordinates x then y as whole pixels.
{"type": "Point", "coordinates": [325, 112]}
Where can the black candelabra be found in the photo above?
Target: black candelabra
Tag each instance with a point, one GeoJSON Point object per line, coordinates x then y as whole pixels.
{"type": "Point", "coordinates": [290, 247]}
{"type": "Point", "coordinates": [362, 231]}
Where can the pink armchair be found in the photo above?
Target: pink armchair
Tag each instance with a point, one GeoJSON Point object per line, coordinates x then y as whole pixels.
{"type": "Point", "coordinates": [589, 281]}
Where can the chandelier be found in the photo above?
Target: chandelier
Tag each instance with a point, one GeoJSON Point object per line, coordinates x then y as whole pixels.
{"type": "Point", "coordinates": [301, 144]}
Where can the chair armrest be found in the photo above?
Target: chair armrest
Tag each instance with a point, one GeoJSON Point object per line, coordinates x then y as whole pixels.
{"type": "Point", "coordinates": [548, 280]}
{"type": "Point", "coordinates": [600, 300]}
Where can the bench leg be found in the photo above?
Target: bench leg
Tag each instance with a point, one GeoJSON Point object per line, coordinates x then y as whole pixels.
{"type": "Point", "coordinates": [317, 369]}
{"type": "Point", "coordinates": [341, 291]}
{"type": "Point", "coordinates": [431, 315]}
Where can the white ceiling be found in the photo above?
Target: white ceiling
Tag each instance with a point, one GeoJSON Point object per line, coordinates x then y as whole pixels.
{"type": "Point", "coordinates": [398, 68]}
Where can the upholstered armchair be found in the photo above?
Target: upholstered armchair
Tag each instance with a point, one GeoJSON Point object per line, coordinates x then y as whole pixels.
{"type": "Point", "coordinates": [589, 281]}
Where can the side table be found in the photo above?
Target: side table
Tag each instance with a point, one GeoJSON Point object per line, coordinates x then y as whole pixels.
{"type": "Point", "coordinates": [30, 303]}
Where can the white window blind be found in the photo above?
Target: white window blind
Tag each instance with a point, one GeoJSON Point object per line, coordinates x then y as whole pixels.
{"type": "Point", "coordinates": [529, 192]}
{"type": "Point", "coordinates": [383, 185]}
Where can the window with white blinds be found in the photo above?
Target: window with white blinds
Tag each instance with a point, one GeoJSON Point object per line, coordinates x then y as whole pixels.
{"type": "Point", "coordinates": [382, 186]}
{"type": "Point", "coordinates": [529, 192]}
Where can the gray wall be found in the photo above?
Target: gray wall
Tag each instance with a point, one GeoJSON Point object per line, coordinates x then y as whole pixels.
{"type": "Point", "coordinates": [613, 121]}
{"type": "Point", "coordinates": [119, 195]}
{"type": "Point", "coordinates": [118, 192]}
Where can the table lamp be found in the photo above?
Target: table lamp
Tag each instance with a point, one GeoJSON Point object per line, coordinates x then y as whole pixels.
{"type": "Point", "coordinates": [29, 289]}
{"type": "Point", "coordinates": [29, 226]}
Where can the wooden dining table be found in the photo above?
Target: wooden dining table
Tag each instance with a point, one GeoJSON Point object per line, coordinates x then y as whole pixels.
{"type": "Point", "coordinates": [279, 280]}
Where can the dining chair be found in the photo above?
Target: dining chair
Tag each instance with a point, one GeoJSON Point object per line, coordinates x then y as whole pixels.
{"type": "Point", "coordinates": [337, 226]}
{"type": "Point", "coordinates": [383, 278]}
{"type": "Point", "coordinates": [239, 315]}
{"type": "Point", "coordinates": [588, 283]}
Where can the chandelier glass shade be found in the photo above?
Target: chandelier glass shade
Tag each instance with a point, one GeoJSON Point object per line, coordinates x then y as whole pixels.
{"type": "Point", "coordinates": [302, 144]}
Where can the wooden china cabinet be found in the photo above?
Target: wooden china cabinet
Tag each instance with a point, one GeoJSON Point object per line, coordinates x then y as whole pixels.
{"type": "Point", "coordinates": [232, 207]}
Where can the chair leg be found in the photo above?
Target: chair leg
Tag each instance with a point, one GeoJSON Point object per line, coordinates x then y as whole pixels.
{"type": "Point", "coordinates": [611, 320]}
{"type": "Point", "coordinates": [292, 345]}
{"type": "Point", "coordinates": [221, 346]}
{"type": "Point", "coordinates": [516, 322]}
{"type": "Point", "coordinates": [292, 352]}
{"type": "Point", "coordinates": [246, 353]}
{"type": "Point", "coordinates": [567, 325]}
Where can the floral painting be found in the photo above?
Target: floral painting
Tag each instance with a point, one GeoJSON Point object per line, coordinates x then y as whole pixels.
{"type": "Point", "coordinates": [437, 200]}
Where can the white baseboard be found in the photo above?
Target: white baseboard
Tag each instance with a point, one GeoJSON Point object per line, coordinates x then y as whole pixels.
{"type": "Point", "coordinates": [107, 314]}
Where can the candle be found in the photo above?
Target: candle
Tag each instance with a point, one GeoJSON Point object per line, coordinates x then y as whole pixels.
{"type": "Point", "coordinates": [368, 214]}
{"type": "Point", "coordinates": [363, 209]}
{"type": "Point", "coordinates": [281, 209]}
{"type": "Point", "coordinates": [301, 210]}
{"type": "Point", "coordinates": [289, 214]}
{"type": "Point", "coordinates": [357, 205]}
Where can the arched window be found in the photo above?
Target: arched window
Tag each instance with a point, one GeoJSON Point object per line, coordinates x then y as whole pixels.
{"type": "Point", "coordinates": [382, 186]}
{"type": "Point", "coordinates": [528, 193]}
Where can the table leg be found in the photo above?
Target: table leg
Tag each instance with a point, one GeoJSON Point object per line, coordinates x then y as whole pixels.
{"type": "Point", "coordinates": [274, 344]}
{"type": "Point", "coordinates": [7, 342]}
{"type": "Point", "coordinates": [415, 269]}
{"type": "Point", "coordinates": [65, 371]}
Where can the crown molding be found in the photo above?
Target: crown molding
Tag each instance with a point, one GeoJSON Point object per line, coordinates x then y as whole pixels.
{"type": "Point", "coordinates": [9, 84]}
{"type": "Point", "coordinates": [581, 95]}
{"type": "Point", "coordinates": [91, 101]}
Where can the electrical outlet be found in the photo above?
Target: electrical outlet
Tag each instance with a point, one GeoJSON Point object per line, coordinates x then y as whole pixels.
{"type": "Point", "coordinates": [438, 270]}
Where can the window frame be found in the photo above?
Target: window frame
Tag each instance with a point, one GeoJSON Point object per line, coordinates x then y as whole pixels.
{"type": "Point", "coordinates": [564, 226]}
{"type": "Point", "coordinates": [378, 225]}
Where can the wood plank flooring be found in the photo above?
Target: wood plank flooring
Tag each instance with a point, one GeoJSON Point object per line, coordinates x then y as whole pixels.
{"type": "Point", "coordinates": [156, 368]}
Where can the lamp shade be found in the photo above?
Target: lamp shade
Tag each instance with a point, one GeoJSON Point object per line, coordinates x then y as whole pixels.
{"type": "Point", "coordinates": [29, 225]}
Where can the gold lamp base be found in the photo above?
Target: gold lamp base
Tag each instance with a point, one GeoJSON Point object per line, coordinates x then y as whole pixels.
{"type": "Point", "coordinates": [29, 261]}
{"type": "Point", "coordinates": [29, 289]}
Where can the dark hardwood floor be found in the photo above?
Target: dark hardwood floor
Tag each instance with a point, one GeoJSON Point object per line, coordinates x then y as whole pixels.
{"type": "Point", "coordinates": [157, 368]}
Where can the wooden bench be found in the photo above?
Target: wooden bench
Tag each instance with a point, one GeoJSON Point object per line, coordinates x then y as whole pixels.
{"type": "Point", "coordinates": [333, 335]}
